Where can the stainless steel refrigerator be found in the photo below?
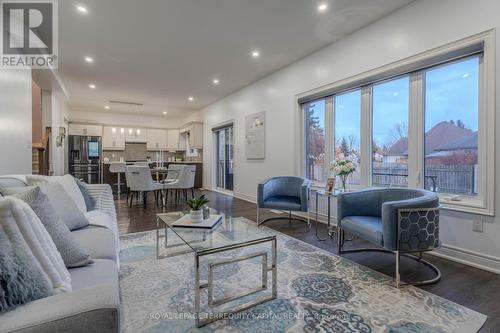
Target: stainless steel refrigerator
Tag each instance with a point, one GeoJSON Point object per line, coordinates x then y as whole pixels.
{"type": "Point", "coordinates": [85, 157]}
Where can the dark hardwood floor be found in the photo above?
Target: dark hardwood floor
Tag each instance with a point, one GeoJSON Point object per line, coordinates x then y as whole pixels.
{"type": "Point", "coordinates": [476, 289]}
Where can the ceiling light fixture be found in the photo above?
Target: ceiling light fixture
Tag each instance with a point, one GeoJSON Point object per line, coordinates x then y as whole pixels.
{"type": "Point", "coordinates": [322, 7]}
{"type": "Point", "coordinates": [92, 86]}
{"type": "Point", "coordinates": [466, 75]}
{"type": "Point", "coordinates": [216, 81]}
{"type": "Point", "coordinates": [81, 9]}
{"type": "Point", "coordinates": [255, 54]}
{"type": "Point", "coordinates": [191, 98]}
{"type": "Point", "coordinates": [89, 60]}
{"type": "Point", "coordinates": [107, 107]}
{"type": "Point", "coordinates": [164, 112]}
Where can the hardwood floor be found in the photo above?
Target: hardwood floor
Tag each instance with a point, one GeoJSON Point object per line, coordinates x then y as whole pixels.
{"type": "Point", "coordinates": [476, 289]}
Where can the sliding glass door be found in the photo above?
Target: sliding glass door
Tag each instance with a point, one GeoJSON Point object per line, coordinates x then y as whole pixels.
{"type": "Point", "coordinates": [224, 158]}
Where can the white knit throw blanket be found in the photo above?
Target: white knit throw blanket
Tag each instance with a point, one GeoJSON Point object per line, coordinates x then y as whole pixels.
{"type": "Point", "coordinates": [28, 235]}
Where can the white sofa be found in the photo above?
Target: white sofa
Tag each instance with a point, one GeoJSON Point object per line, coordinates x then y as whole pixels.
{"type": "Point", "coordinates": [94, 303]}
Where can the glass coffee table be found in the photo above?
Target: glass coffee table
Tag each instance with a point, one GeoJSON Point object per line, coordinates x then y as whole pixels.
{"type": "Point", "coordinates": [228, 234]}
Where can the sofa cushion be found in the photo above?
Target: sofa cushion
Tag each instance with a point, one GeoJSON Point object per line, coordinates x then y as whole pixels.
{"type": "Point", "coordinates": [102, 271]}
{"type": "Point", "coordinates": [68, 184]}
{"type": "Point", "coordinates": [7, 182]}
{"type": "Point", "coordinates": [283, 202]}
{"type": "Point", "coordinates": [367, 227]}
{"type": "Point", "coordinates": [99, 241]}
{"type": "Point", "coordinates": [65, 207]}
{"type": "Point", "coordinates": [73, 254]}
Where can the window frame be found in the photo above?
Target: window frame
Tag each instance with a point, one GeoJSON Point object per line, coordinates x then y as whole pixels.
{"type": "Point", "coordinates": [484, 202]}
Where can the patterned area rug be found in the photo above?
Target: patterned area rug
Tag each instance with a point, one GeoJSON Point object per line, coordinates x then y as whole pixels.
{"type": "Point", "coordinates": [317, 292]}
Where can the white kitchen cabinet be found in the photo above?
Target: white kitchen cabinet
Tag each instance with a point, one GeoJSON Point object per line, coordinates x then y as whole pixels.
{"type": "Point", "coordinates": [173, 140]}
{"type": "Point", "coordinates": [83, 129]}
{"type": "Point", "coordinates": [193, 133]}
{"type": "Point", "coordinates": [156, 139]}
{"type": "Point", "coordinates": [113, 138]}
{"type": "Point", "coordinates": [136, 135]}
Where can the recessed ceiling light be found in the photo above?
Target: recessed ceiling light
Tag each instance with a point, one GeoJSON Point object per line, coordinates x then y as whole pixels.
{"type": "Point", "coordinates": [92, 86]}
{"type": "Point", "coordinates": [89, 59]}
{"type": "Point", "coordinates": [322, 7]}
{"type": "Point", "coordinates": [395, 94]}
{"type": "Point", "coordinates": [107, 107]}
{"type": "Point", "coordinates": [216, 81]}
{"type": "Point", "coordinates": [466, 75]}
{"type": "Point", "coordinates": [164, 112]}
{"type": "Point", "coordinates": [82, 9]}
{"type": "Point", "coordinates": [191, 98]}
{"type": "Point", "coordinates": [255, 54]}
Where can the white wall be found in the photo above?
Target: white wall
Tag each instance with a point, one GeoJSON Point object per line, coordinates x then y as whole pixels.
{"type": "Point", "coordinates": [122, 119]}
{"type": "Point", "coordinates": [59, 113]}
{"type": "Point", "coordinates": [421, 26]}
{"type": "Point", "coordinates": [15, 122]}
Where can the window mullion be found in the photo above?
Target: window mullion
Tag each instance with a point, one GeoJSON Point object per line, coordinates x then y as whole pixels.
{"type": "Point", "coordinates": [416, 130]}
{"type": "Point", "coordinates": [366, 136]}
{"type": "Point", "coordinates": [329, 134]}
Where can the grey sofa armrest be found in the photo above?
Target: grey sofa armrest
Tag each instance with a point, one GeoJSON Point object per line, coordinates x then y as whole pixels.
{"type": "Point", "coordinates": [94, 309]}
{"type": "Point", "coordinates": [103, 196]}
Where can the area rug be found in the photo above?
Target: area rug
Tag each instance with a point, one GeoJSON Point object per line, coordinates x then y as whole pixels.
{"type": "Point", "coordinates": [317, 292]}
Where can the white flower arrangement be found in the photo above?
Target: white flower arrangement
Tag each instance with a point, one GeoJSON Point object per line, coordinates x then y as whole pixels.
{"type": "Point", "coordinates": [343, 167]}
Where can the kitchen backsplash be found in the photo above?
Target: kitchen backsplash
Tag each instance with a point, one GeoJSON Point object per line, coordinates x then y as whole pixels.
{"type": "Point", "coordinates": [138, 152]}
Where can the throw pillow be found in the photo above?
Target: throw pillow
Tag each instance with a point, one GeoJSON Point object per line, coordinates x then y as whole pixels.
{"type": "Point", "coordinates": [71, 251]}
{"type": "Point", "coordinates": [31, 266]}
{"type": "Point", "coordinates": [89, 200]}
{"type": "Point", "coordinates": [64, 206]}
{"type": "Point", "coordinates": [16, 190]}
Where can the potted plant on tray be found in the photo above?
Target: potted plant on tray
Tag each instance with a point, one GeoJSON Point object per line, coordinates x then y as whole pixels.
{"type": "Point", "coordinates": [195, 206]}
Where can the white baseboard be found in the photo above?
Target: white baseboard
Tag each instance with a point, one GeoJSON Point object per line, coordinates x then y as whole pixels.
{"type": "Point", "coordinates": [469, 258]}
{"type": "Point", "coordinates": [453, 253]}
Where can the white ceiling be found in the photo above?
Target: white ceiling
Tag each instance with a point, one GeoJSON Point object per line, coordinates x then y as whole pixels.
{"type": "Point", "coordinates": [160, 52]}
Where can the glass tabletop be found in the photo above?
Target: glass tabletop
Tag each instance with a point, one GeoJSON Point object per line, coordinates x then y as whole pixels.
{"type": "Point", "coordinates": [228, 233]}
{"type": "Point", "coordinates": [333, 193]}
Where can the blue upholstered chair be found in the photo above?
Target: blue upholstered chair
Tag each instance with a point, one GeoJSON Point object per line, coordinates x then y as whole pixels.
{"type": "Point", "coordinates": [400, 221]}
{"type": "Point", "coordinates": [283, 193]}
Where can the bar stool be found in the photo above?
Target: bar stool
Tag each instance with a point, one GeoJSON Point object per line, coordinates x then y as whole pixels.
{"type": "Point", "coordinates": [118, 168]}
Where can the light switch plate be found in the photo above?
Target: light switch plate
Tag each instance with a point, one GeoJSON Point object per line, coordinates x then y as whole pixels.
{"type": "Point", "coordinates": [477, 225]}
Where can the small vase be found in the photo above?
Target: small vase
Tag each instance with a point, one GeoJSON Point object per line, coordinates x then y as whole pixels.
{"type": "Point", "coordinates": [196, 216]}
{"type": "Point", "coordinates": [344, 181]}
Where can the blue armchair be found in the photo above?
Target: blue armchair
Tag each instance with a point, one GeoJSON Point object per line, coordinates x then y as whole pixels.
{"type": "Point", "coordinates": [400, 221]}
{"type": "Point", "coordinates": [283, 193]}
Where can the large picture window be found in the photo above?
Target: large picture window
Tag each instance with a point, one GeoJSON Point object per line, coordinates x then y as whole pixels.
{"type": "Point", "coordinates": [348, 130]}
{"type": "Point", "coordinates": [429, 126]}
{"type": "Point", "coordinates": [314, 114]}
{"type": "Point", "coordinates": [390, 132]}
{"type": "Point", "coordinates": [451, 128]}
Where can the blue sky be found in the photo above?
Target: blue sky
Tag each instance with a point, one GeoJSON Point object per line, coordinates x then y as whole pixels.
{"type": "Point", "coordinates": [451, 93]}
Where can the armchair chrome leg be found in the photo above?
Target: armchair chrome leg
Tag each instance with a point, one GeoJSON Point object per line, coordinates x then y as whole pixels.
{"type": "Point", "coordinates": [340, 233]}
{"type": "Point", "coordinates": [290, 219]}
{"type": "Point", "coordinates": [258, 223]}
{"type": "Point", "coordinates": [398, 277]}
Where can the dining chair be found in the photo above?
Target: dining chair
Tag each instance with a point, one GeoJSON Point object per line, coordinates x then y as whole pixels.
{"type": "Point", "coordinates": [118, 168]}
{"type": "Point", "coordinates": [183, 183]}
{"type": "Point", "coordinates": [141, 181]}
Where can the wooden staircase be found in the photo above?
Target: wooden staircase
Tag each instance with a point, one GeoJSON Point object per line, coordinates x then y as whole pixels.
{"type": "Point", "coordinates": [41, 155]}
